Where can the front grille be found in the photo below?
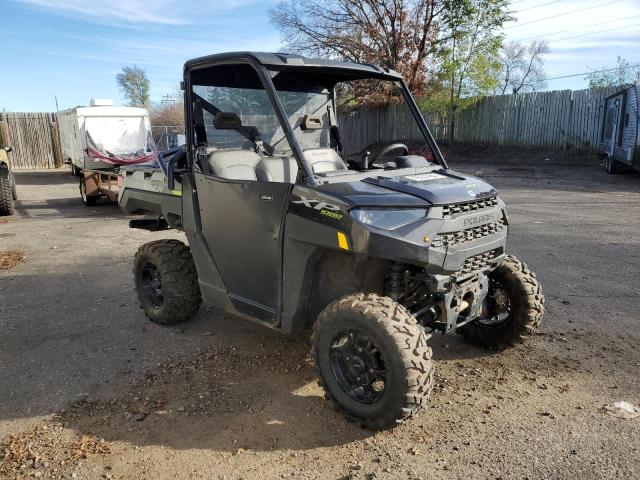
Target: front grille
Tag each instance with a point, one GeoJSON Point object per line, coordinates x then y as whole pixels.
{"type": "Point", "coordinates": [477, 263]}
{"type": "Point", "coordinates": [455, 209]}
{"type": "Point", "coordinates": [463, 236]}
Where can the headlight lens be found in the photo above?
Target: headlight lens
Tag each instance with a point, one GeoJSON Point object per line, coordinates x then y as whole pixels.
{"type": "Point", "coordinates": [387, 219]}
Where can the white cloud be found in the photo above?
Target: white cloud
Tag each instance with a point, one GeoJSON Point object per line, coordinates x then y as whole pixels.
{"type": "Point", "coordinates": [591, 37]}
{"type": "Point", "coordinates": [135, 12]}
{"type": "Point", "coordinates": [128, 11]}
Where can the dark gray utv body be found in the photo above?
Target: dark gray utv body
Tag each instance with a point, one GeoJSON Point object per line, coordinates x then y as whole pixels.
{"type": "Point", "coordinates": [277, 237]}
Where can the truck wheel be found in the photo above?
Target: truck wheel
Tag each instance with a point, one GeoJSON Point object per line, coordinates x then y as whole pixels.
{"type": "Point", "coordinates": [89, 201]}
{"type": "Point", "coordinates": [14, 192]}
{"type": "Point", "coordinates": [513, 308]}
{"type": "Point", "coordinates": [6, 195]}
{"type": "Point", "coordinates": [611, 166]}
{"type": "Point", "coordinates": [166, 281]}
{"type": "Point", "coordinates": [373, 360]}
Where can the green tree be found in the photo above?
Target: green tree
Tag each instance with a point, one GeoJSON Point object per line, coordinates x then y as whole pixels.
{"type": "Point", "coordinates": [471, 64]}
{"type": "Point", "coordinates": [134, 84]}
{"type": "Point", "coordinates": [623, 73]}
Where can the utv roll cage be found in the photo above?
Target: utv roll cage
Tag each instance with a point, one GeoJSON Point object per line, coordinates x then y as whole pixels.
{"type": "Point", "coordinates": [269, 66]}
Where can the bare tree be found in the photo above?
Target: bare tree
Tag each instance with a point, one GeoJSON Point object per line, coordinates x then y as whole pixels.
{"type": "Point", "coordinates": [623, 73]}
{"type": "Point", "coordinates": [396, 34]}
{"type": "Point", "coordinates": [523, 67]}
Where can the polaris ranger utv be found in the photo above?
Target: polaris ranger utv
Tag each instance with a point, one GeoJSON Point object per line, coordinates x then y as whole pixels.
{"type": "Point", "coordinates": [368, 240]}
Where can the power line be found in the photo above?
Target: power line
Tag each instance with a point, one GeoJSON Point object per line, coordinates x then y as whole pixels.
{"type": "Point", "coordinates": [595, 33]}
{"type": "Point", "coordinates": [577, 28]}
{"type": "Point", "coordinates": [566, 13]}
{"type": "Point", "coordinates": [538, 6]}
{"type": "Point", "coordinates": [592, 71]}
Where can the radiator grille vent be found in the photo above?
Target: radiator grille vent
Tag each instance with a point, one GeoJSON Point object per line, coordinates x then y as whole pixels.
{"type": "Point", "coordinates": [455, 209]}
{"type": "Point", "coordinates": [463, 236]}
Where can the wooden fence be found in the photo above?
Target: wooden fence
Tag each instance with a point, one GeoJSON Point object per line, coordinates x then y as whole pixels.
{"type": "Point", "coordinates": [34, 139]}
{"type": "Point", "coordinates": [562, 119]}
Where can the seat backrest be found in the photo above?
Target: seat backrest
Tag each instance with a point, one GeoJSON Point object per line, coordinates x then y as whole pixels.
{"type": "Point", "coordinates": [324, 160]}
{"type": "Point", "coordinates": [234, 164]}
{"type": "Point", "coordinates": [277, 169]}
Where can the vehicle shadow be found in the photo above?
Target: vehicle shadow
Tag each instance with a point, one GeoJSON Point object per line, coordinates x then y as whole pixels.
{"type": "Point", "coordinates": [45, 177]}
{"type": "Point", "coordinates": [69, 207]}
{"type": "Point", "coordinates": [262, 396]}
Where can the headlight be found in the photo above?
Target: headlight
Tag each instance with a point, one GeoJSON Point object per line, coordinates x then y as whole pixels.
{"type": "Point", "coordinates": [387, 219]}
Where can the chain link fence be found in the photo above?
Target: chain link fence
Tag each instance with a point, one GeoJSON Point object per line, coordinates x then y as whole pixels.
{"type": "Point", "coordinates": [168, 136]}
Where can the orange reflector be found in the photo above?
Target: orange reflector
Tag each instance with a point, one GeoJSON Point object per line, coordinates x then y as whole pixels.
{"type": "Point", "coordinates": [342, 241]}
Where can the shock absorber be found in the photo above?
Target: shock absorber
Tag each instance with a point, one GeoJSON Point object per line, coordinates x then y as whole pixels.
{"type": "Point", "coordinates": [395, 285]}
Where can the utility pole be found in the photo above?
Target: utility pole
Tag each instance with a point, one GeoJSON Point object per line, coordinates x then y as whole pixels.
{"type": "Point", "coordinates": [56, 97]}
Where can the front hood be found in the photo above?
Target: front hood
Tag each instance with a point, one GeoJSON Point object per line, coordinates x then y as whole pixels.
{"type": "Point", "coordinates": [438, 188]}
{"type": "Point", "coordinates": [419, 189]}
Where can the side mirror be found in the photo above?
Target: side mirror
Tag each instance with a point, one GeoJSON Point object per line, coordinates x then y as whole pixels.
{"type": "Point", "coordinates": [8, 149]}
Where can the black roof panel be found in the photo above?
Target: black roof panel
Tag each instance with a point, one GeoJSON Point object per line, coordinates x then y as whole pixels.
{"type": "Point", "coordinates": [292, 61]}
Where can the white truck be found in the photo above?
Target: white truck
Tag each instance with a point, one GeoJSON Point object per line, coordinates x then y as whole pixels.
{"type": "Point", "coordinates": [91, 136]}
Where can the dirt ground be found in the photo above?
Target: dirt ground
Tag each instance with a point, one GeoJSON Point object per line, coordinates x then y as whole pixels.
{"type": "Point", "coordinates": [90, 389]}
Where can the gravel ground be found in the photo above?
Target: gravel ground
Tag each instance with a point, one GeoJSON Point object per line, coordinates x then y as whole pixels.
{"type": "Point", "coordinates": [90, 389]}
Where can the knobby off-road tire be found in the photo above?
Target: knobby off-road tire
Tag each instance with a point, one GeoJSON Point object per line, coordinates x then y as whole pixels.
{"type": "Point", "coordinates": [14, 192]}
{"type": "Point", "coordinates": [526, 308]}
{"type": "Point", "coordinates": [402, 346]}
{"type": "Point", "coordinates": [175, 296]}
{"type": "Point", "coordinates": [6, 192]}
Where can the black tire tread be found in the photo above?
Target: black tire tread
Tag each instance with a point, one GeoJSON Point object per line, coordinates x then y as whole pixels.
{"type": "Point", "coordinates": [14, 191]}
{"type": "Point", "coordinates": [182, 297]}
{"type": "Point", "coordinates": [529, 292]}
{"type": "Point", "coordinates": [6, 193]}
{"type": "Point", "coordinates": [411, 341]}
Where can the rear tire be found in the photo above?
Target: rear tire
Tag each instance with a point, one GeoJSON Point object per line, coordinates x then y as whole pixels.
{"type": "Point", "coordinates": [611, 166]}
{"type": "Point", "coordinates": [523, 293]}
{"type": "Point", "coordinates": [166, 281]}
{"type": "Point", "coordinates": [86, 200]}
{"type": "Point", "coordinates": [6, 192]}
{"type": "Point", "coordinates": [362, 340]}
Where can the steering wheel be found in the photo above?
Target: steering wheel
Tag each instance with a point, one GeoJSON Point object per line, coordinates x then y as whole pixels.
{"type": "Point", "coordinates": [369, 161]}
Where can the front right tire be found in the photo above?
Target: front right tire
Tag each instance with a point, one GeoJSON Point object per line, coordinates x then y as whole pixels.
{"type": "Point", "coordinates": [373, 360]}
{"type": "Point", "coordinates": [515, 307]}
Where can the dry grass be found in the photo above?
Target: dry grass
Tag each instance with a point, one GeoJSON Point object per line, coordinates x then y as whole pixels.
{"type": "Point", "coordinates": [46, 451]}
{"type": "Point", "coordinates": [10, 258]}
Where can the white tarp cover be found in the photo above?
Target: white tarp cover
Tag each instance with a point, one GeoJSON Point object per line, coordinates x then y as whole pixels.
{"type": "Point", "coordinates": [119, 140]}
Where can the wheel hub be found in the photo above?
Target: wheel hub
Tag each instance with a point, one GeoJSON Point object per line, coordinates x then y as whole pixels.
{"type": "Point", "coordinates": [152, 284]}
{"type": "Point", "coordinates": [358, 366]}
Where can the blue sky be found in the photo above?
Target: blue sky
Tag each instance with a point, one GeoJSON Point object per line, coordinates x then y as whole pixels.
{"type": "Point", "coordinates": [73, 49]}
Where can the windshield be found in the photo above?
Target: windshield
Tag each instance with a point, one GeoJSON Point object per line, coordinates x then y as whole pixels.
{"type": "Point", "coordinates": [342, 120]}
{"type": "Point", "coordinates": [368, 116]}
